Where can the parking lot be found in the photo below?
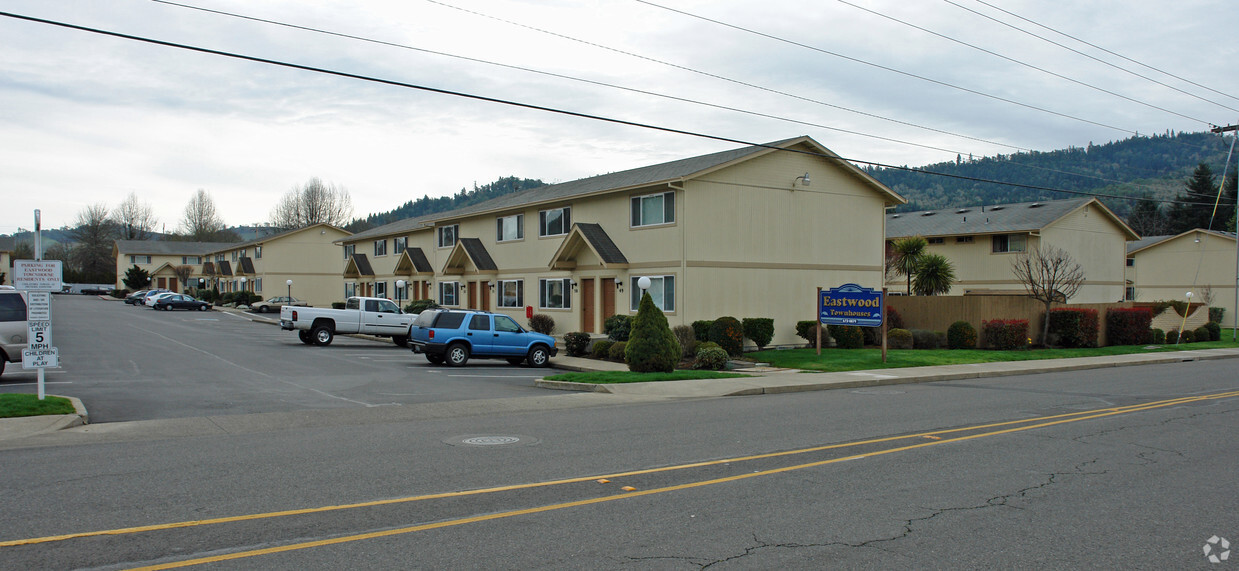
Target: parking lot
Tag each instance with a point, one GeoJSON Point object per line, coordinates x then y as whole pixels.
{"type": "Point", "coordinates": [132, 363]}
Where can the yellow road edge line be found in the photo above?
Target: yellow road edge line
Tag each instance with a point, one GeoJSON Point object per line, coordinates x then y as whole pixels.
{"type": "Point", "coordinates": [629, 495]}
{"type": "Point", "coordinates": [496, 489]}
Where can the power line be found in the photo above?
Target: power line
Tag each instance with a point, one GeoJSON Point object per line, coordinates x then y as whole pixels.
{"type": "Point", "coordinates": [645, 92]}
{"type": "Point", "coordinates": [534, 107]}
{"type": "Point", "coordinates": [1089, 56]}
{"type": "Point", "coordinates": [1115, 54]}
{"type": "Point", "coordinates": [1025, 64]}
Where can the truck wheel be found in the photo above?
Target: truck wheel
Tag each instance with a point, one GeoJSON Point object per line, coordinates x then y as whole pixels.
{"type": "Point", "coordinates": [457, 355]}
{"type": "Point", "coordinates": [539, 356]}
{"type": "Point", "coordinates": [435, 359]}
{"type": "Point", "coordinates": [323, 335]}
{"type": "Point", "coordinates": [305, 337]}
{"type": "Point", "coordinates": [400, 341]}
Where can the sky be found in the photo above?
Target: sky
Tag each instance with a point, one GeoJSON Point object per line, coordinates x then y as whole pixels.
{"type": "Point", "coordinates": [89, 119]}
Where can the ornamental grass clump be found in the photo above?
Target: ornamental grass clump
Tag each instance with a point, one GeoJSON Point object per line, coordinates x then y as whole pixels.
{"type": "Point", "coordinates": [652, 348]}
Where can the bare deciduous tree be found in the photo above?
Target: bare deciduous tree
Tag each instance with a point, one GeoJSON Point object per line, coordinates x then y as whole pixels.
{"type": "Point", "coordinates": [201, 223]}
{"type": "Point", "coordinates": [134, 220]}
{"type": "Point", "coordinates": [314, 202]}
{"type": "Point", "coordinates": [182, 274]}
{"type": "Point", "coordinates": [1049, 274]}
{"type": "Point", "coordinates": [94, 232]}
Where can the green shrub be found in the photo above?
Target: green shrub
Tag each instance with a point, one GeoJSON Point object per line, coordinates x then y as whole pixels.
{"type": "Point", "coordinates": [617, 351]}
{"type": "Point", "coordinates": [728, 333]}
{"type": "Point", "coordinates": [1172, 337]}
{"type": "Point", "coordinates": [1215, 330]}
{"type": "Point", "coordinates": [652, 347]}
{"type": "Point", "coordinates": [1202, 334]}
{"type": "Point", "coordinates": [687, 338]}
{"type": "Point", "coordinates": [1005, 334]}
{"type": "Point", "coordinates": [701, 330]}
{"type": "Point", "coordinates": [334, 304]}
{"type": "Point", "coordinates": [601, 349]}
{"type": "Point", "coordinates": [899, 339]}
{"type": "Point", "coordinates": [1215, 315]}
{"type": "Point", "coordinates": [576, 343]}
{"type": "Point", "coordinates": [1128, 326]}
{"type": "Point", "coordinates": [710, 358]}
{"type": "Point", "coordinates": [1187, 337]}
{"type": "Point", "coordinates": [706, 345]}
{"type": "Point", "coordinates": [420, 305]}
{"type": "Point", "coordinates": [847, 336]}
{"type": "Point", "coordinates": [617, 327]}
{"type": "Point", "coordinates": [1074, 328]}
{"type": "Point", "coordinates": [961, 335]}
{"type": "Point", "coordinates": [542, 323]}
{"type": "Point", "coordinates": [893, 319]}
{"type": "Point", "coordinates": [1180, 307]}
{"type": "Point", "coordinates": [872, 335]}
{"type": "Point", "coordinates": [1158, 336]}
{"type": "Point", "coordinates": [759, 330]}
{"type": "Point", "coordinates": [807, 330]}
{"type": "Point", "coordinates": [926, 339]}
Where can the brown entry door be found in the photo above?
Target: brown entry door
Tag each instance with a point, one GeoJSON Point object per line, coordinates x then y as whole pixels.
{"type": "Point", "coordinates": [587, 305]}
{"type": "Point", "coordinates": [473, 295]}
{"type": "Point", "coordinates": [608, 299]}
{"type": "Point", "coordinates": [485, 293]}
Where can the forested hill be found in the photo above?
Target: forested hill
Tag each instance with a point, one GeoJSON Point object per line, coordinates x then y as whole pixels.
{"type": "Point", "coordinates": [1158, 165]}
{"type": "Point", "coordinates": [427, 205]}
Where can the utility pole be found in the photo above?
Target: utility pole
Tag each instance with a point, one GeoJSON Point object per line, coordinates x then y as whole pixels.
{"type": "Point", "coordinates": [1234, 332]}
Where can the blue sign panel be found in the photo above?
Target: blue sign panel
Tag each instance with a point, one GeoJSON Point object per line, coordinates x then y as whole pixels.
{"type": "Point", "coordinates": [850, 304]}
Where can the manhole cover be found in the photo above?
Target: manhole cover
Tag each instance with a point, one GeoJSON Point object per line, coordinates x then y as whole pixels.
{"type": "Point", "coordinates": [491, 440]}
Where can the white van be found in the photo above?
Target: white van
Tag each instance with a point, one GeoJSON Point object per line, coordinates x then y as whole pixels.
{"type": "Point", "coordinates": [12, 326]}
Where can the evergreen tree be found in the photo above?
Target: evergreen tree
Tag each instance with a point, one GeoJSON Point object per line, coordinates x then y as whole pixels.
{"type": "Point", "coordinates": [136, 278]}
{"type": "Point", "coordinates": [1194, 205]}
{"type": "Point", "coordinates": [652, 347]}
{"type": "Point", "coordinates": [1146, 218]}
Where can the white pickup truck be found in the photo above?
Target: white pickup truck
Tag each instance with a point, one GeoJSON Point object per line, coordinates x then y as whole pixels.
{"type": "Point", "coordinates": [368, 315]}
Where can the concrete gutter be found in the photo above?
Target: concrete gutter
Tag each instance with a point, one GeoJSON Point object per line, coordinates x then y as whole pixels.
{"type": "Point", "coordinates": [24, 426]}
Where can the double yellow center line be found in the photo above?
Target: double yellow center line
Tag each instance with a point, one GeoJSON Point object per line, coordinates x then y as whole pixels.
{"type": "Point", "coordinates": [933, 438]}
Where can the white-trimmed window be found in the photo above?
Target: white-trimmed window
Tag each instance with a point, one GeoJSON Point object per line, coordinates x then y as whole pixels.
{"type": "Point", "coordinates": [257, 284]}
{"type": "Point", "coordinates": [402, 293]}
{"type": "Point", "coordinates": [963, 239]}
{"type": "Point", "coordinates": [938, 240]}
{"type": "Point", "coordinates": [191, 260]}
{"type": "Point", "coordinates": [380, 248]}
{"type": "Point", "coordinates": [448, 235]}
{"type": "Point", "coordinates": [662, 292]}
{"type": "Point", "coordinates": [349, 250]}
{"type": "Point", "coordinates": [653, 209]}
{"type": "Point", "coordinates": [350, 289]}
{"type": "Point", "coordinates": [555, 222]}
{"type": "Point", "coordinates": [511, 293]}
{"type": "Point", "coordinates": [139, 259]}
{"type": "Point", "coordinates": [555, 293]}
{"type": "Point", "coordinates": [448, 293]}
{"type": "Point", "coordinates": [1009, 243]}
{"type": "Point", "coordinates": [399, 245]}
{"type": "Point", "coordinates": [380, 289]}
{"type": "Point", "coordinates": [1129, 293]}
{"type": "Point", "coordinates": [257, 252]}
{"type": "Point", "coordinates": [510, 228]}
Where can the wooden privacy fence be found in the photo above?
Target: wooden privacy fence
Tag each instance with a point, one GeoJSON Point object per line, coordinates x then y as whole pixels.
{"type": "Point", "coordinates": [937, 313]}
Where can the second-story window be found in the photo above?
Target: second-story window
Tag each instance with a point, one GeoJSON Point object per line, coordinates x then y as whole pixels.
{"type": "Point", "coordinates": [380, 247]}
{"type": "Point", "coordinates": [653, 209]}
{"type": "Point", "coordinates": [510, 228]}
{"type": "Point", "coordinates": [349, 250]}
{"type": "Point", "coordinates": [399, 245]}
{"type": "Point", "coordinates": [448, 235]}
{"type": "Point", "coordinates": [555, 222]}
{"type": "Point", "coordinates": [139, 259]}
{"type": "Point", "coordinates": [258, 252]}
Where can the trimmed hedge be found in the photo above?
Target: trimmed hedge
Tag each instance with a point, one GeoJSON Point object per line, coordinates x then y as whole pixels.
{"type": "Point", "coordinates": [1187, 337]}
{"type": "Point", "coordinates": [1129, 326]}
{"type": "Point", "coordinates": [807, 330]}
{"type": "Point", "coordinates": [1074, 328]}
{"type": "Point", "coordinates": [710, 358]}
{"type": "Point", "coordinates": [652, 348]}
{"type": "Point", "coordinates": [1005, 334]}
{"type": "Point", "coordinates": [899, 339]}
{"type": "Point", "coordinates": [701, 329]}
{"type": "Point", "coordinates": [847, 336]}
{"type": "Point", "coordinates": [618, 327]}
{"type": "Point", "coordinates": [1202, 334]}
{"type": "Point", "coordinates": [601, 349]}
{"type": "Point", "coordinates": [926, 339]}
{"type": "Point", "coordinates": [1215, 331]}
{"type": "Point", "coordinates": [576, 343]}
{"type": "Point", "coordinates": [420, 305]}
{"type": "Point", "coordinates": [617, 350]}
{"type": "Point", "coordinates": [542, 323]}
{"type": "Point", "coordinates": [1216, 314]}
{"type": "Point", "coordinates": [961, 335]}
{"type": "Point", "coordinates": [729, 334]}
{"type": "Point", "coordinates": [1159, 336]}
{"type": "Point", "coordinates": [1172, 337]}
{"type": "Point", "coordinates": [759, 330]}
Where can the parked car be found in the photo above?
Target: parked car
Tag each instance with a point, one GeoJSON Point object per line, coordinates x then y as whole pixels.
{"type": "Point", "coordinates": [275, 303]}
{"type": "Point", "coordinates": [180, 301]}
{"type": "Point", "coordinates": [141, 300]}
{"type": "Point", "coordinates": [369, 315]}
{"type": "Point", "coordinates": [151, 299]}
{"type": "Point", "coordinates": [12, 326]}
{"type": "Point", "coordinates": [136, 297]}
{"type": "Point", "coordinates": [453, 336]}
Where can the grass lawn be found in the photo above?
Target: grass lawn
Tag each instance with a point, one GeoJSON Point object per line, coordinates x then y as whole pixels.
{"type": "Point", "coordinates": [610, 377]}
{"type": "Point", "coordinates": [861, 359]}
{"type": "Point", "coordinates": [12, 405]}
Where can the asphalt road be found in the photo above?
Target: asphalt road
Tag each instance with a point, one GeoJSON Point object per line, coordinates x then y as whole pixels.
{"type": "Point", "coordinates": [133, 363]}
{"type": "Point", "coordinates": [1114, 468]}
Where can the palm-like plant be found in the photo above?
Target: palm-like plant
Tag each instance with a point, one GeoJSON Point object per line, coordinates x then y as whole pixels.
{"type": "Point", "coordinates": [934, 275]}
{"type": "Point", "coordinates": [907, 256]}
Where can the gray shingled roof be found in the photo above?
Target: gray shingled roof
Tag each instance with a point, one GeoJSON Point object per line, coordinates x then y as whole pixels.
{"type": "Point", "coordinates": [643, 176]}
{"type": "Point", "coordinates": [420, 263]}
{"type": "Point", "coordinates": [363, 265]}
{"type": "Point", "coordinates": [995, 219]}
{"type": "Point", "coordinates": [224, 267]}
{"type": "Point", "coordinates": [601, 241]}
{"type": "Point", "coordinates": [1147, 241]}
{"type": "Point", "coordinates": [477, 252]}
{"type": "Point", "coordinates": [170, 248]}
{"type": "Point", "coordinates": [245, 265]}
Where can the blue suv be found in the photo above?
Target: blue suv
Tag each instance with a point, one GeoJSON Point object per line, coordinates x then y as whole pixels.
{"type": "Point", "coordinates": [453, 336]}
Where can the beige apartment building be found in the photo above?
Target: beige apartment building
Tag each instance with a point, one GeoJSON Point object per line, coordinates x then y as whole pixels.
{"type": "Point", "coordinates": [160, 260]}
{"type": "Point", "coordinates": [1167, 267]}
{"type": "Point", "coordinates": [749, 232]}
{"type": "Point", "coordinates": [7, 245]}
{"type": "Point", "coordinates": [306, 256]}
{"type": "Point", "coordinates": [982, 241]}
